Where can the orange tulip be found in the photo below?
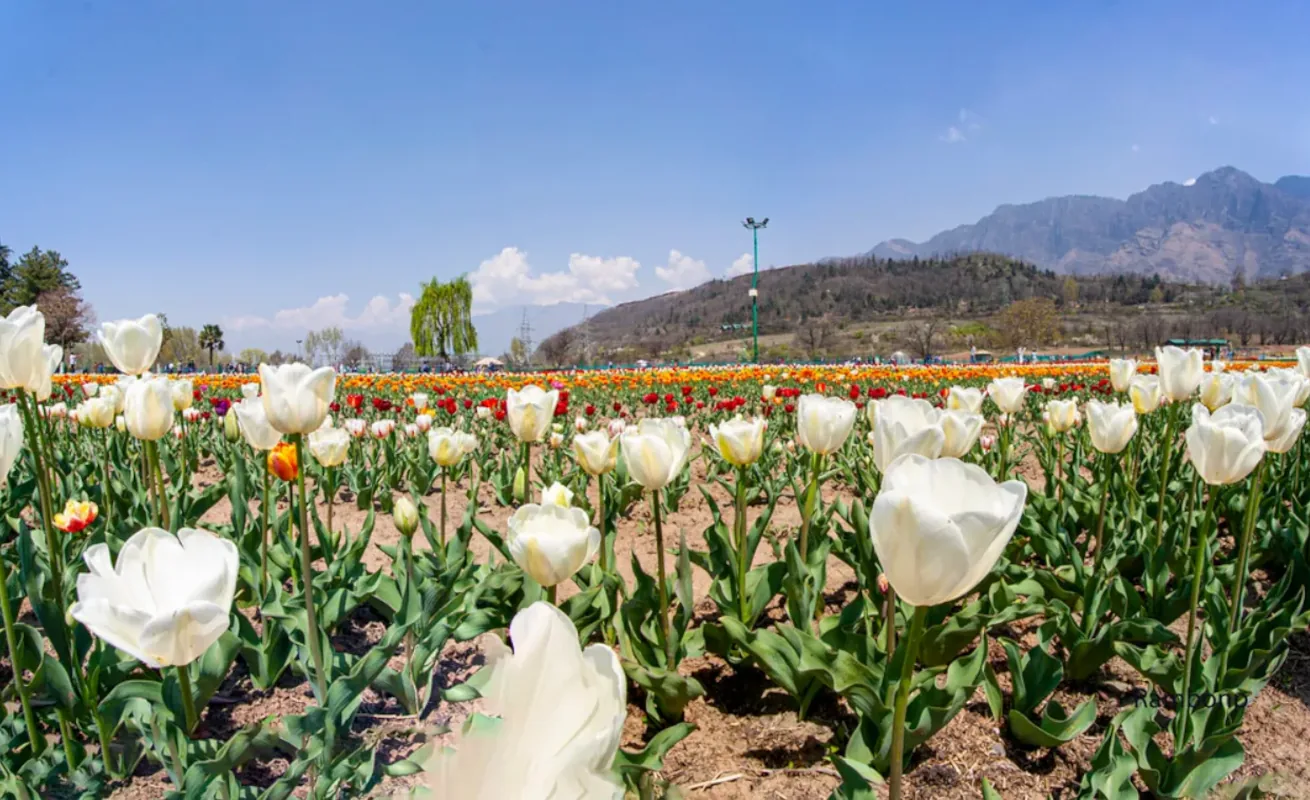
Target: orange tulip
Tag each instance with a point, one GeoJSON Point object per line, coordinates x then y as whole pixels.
{"type": "Point", "coordinates": [76, 516]}
{"type": "Point", "coordinates": [282, 461]}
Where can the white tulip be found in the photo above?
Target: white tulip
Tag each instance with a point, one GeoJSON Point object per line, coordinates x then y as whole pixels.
{"type": "Point", "coordinates": [296, 398]}
{"type": "Point", "coordinates": [23, 361]}
{"type": "Point", "coordinates": [355, 427]}
{"type": "Point", "coordinates": [250, 391]}
{"type": "Point", "coordinates": [1303, 360]}
{"type": "Point", "coordinates": [330, 446]}
{"type": "Point", "coordinates": [120, 424]}
{"type": "Point", "coordinates": [617, 426]}
{"type": "Point", "coordinates": [1180, 371]}
{"type": "Point", "coordinates": [133, 344]}
{"type": "Point", "coordinates": [112, 394]}
{"type": "Point", "coordinates": [90, 389]}
{"type": "Point", "coordinates": [961, 430]}
{"type": "Point", "coordinates": [1122, 371]}
{"type": "Point", "coordinates": [183, 395]}
{"type": "Point", "coordinates": [423, 422]}
{"type": "Point", "coordinates": [1144, 391]}
{"type": "Point", "coordinates": [148, 409]}
{"type": "Point", "coordinates": [1216, 389]}
{"type": "Point", "coordinates": [905, 426]}
{"type": "Point", "coordinates": [768, 392]}
{"type": "Point", "coordinates": [1110, 425]}
{"type": "Point", "coordinates": [11, 439]}
{"type": "Point", "coordinates": [580, 424]}
{"type": "Point", "coordinates": [253, 422]}
{"type": "Point", "coordinates": [97, 412]}
{"type": "Point", "coordinates": [551, 542]}
{"type": "Point", "coordinates": [420, 400]}
{"type": "Point", "coordinates": [964, 398]}
{"type": "Point", "coordinates": [739, 441]}
{"type": "Point", "coordinates": [530, 411]}
{"type": "Point", "coordinates": [447, 447]}
{"type": "Point", "coordinates": [939, 526]}
{"type": "Point", "coordinates": [655, 451]}
{"type": "Point", "coordinates": [1062, 415]}
{"type": "Point", "coordinates": [596, 452]}
{"type": "Point", "coordinates": [1274, 395]}
{"type": "Point", "coordinates": [823, 423]}
{"type": "Point", "coordinates": [52, 355]}
{"type": "Point", "coordinates": [1225, 447]}
{"type": "Point", "coordinates": [1218, 366]}
{"type": "Point", "coordinates": [483, 412]}
{"type": "Point", "coordinates": [1048, 383]}
{"type": "Point", "coordinates": [166, 600]}
{"type": "Point", "coordinates": [561, 710]}
{"type": "Point", "coordinates": [411, 431]}
{"type": "Point", "coordinates": [1008, 394]}
{"type": "Point", "coordinates": [1294, 377]}
{"type": "Point", "coordinates": [557, 494]}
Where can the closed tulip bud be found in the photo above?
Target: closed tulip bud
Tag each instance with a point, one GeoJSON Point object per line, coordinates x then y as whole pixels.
{"type": "Point", "coordinates": [580, 424]}
{"type": "Point", "coordinates": [739, 441]}
{"type": "Point", "coordinates": [183, 395]}
{"type": "Point", "coordinates": [405, 514]}
{"type": "Point", "coordinates": [166, 600]}
{"type": "Point", "coordinates": [90, 389]}
{"type": "Point", "coordinates": [939, 525]}
{"type": "Point", "coordinates": [120, 424]}
{"type": "Point", "coordinates": [551, 542]}
{"type": "Point", "coordinates": [382, 428]}
{"type": "Point", "coordinates": [132, 344]}
{"type": "Point", "coordinates": [355, 427]}
{"type": "Point", "coordinates": [1122, 371]}
{"type": "Point", "coordinates": [1144, 391]}
{"type": "Point", "coordinates": [1226, 446]}
{"type": "Point", "coordinates": [520, 483]}
{"type": "Point", "coordinates": [824, 423]}
{"type": "Point", "coordinates": [282, 461]}
{"type": "Point", "coordinates": [483, 412]}
{"type": "Point", "coordinates": [557, 494]}
{"type": "Point", "coordinates": [655, 451]}
{"type": "Point", "coordinates": [113, 395]}
{"type": "Point", "coordinates": [330, 446]}
{"type": "Point", "coordinates": [906, 426]}
{"type": "Point", "coordinates": [1180, 371]}
{"type": "Point", "coordinates": [616, 427]}
{"type": "Point", "coordinates": [960, 430]}
{"type": "Point", "coordinates": [768, 392]}
{"type": "Point", "coordinates": [530, 411]}
{"type": "Point", "coordinates": [986, 443]}
{"type": "Point", "coordinates": [1048, 383]}
{"type": "Point", "coordinates": [52, 354]}
{"type": "Point", "coordinates": [1062, 414]}
{"type": "Point", "coordinates": [11, 439]}
{"type": "Point", "coordinates": [148, 409]}
{"type": "Point", "coordinates": [579, 746]}
{"type": "Point", "coordinates": [231, 429]}
{"type": "Point", "coordinates": [254, 425]}
{"type": "Point", "coordinates": [1110, 425]}
{"type": "Point", "coordinates": [411, 431]}
{"type": "Point", "coordinates": [1008, 394]}
{"type": "Point", "coordinates": [964, 398]}
{"type": "Point", "coordinates": [423, 422]}
{"type": "Point", "coordinates": [596, 452]}
{"type": "Point", "coordinates": [22, 354]}
{"type": "Point", "coordinates": [296, 398]}
{"type": "Point", "coordinates": [97, 412]}
{"type": "Point", "coordinates": [1274, 395]}
{"type": "Point", "coordinates": [420, 400]}
{"type": "Point", "coordinates": [191, 415]}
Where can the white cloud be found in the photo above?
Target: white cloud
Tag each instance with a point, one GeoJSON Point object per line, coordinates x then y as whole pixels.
{"type": "Point", "coordinates": [683, 272]}
{"type": "Point", "coordinates": [952, 135]}
{"type": "Point", "coordinates": [507, 278]}
{"type": "Point", "coordinates": [379, 314]}
{"type": "Point", "coordinates": [970, 120]}
{"type": "Point", "coordinates": [1190, 182]}
{"type": "Point", "coordinates": [744, 265]}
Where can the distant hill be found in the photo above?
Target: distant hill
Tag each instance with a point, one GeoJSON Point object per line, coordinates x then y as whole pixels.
{"type": "Point", "coordinates": [497, 328]}
{"type": "Point", "coordinates": [1224, 224]}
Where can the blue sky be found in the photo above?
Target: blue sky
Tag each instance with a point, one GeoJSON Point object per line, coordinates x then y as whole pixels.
{"type": "Point", "coordinates": [281, 166]}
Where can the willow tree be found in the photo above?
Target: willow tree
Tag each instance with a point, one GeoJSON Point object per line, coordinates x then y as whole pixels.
{"type": "Point", "coordinates": [441, 323]}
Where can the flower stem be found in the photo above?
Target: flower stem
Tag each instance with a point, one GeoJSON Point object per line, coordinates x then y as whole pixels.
{"type": "Point", "coordinates": [1165, 462]}
{"type": "Point", "coordinates": [443, 509]}
{"type": "Point", "coordinates": [1100, 515]}
{"type": "Point", "coordinates": [663, 590]}
{"type": "Point", "coordinates": [188, 698]}
{"type": "Point", "coordinates": [160, 494]}
{"type": "Point", "coordinates": [739, 524]}
{"type": "Point", "coordinates": [903, 700]}
{"type": "Point", "coordinates": [33, 731]}
{"type": "Point", "coordinates": [107, 496]}
{"type": "Point", "coordinates": [811, 500]}
{"type": "Point", "coordinates": [1244, 549]}
{"type": "Point", "coordinates": [53, 543]}
{"type": "Point", "coordinates": [263, 541]}
{"type": "Point", "coordinates": [600, 523]}
{"type": "Point", "coordinates": [307, 576]}
{"type": "Point", "coordinates": [1201, 548]}
{"type": "Point", "coordinates": [889, 621]}
{"type": "Point", "coordinates": [331, 489]}
{"type": "Point", "coordinates": [550, 595]}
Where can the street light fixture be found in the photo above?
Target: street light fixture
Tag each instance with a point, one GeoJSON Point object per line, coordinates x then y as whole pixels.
{"type": "Point", "coordinates": [754, 228]}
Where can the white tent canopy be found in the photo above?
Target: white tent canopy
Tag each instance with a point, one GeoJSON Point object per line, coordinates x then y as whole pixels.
{"type": "Point", "coordinates": [483, 363]}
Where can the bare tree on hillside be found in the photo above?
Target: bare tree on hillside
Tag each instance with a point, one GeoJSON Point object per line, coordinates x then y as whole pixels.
{"type": "Point", "coordinates": [558, 348]}
{"type": "Point", "coordinates": [921, 336]}
{"type": "Point", "coordinates": [816, 337]}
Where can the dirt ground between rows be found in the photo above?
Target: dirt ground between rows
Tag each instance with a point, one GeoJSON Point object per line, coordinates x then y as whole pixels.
{"type": "Point", "coordinates": [748, 742]}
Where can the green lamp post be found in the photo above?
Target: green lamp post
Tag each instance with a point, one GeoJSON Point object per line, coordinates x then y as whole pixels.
{"type": "Point", "coordinates": [754, 228]}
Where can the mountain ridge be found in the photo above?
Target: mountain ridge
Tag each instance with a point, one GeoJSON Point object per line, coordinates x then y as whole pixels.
{"type": "Point", "coordinates": [1222, 225]}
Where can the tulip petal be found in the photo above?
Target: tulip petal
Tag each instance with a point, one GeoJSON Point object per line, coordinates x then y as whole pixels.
{"type": "Point", "coordinates": [184, 634]}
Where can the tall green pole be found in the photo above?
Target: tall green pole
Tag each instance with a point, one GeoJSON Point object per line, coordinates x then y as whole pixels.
{"type": "Point", "coordinates": [755, 295]}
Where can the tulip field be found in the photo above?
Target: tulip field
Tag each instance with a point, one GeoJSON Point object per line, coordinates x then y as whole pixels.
{"type": "Point", "coordinates": [1081, 580]}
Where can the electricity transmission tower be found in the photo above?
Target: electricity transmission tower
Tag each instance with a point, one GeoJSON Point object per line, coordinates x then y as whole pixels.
{"type": "Point", "coordinates": [525, 335]}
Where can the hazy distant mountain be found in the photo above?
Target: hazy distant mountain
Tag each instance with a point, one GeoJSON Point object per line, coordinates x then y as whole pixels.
{"type": "Point", "coordinates": [1223, 223]}
{"type": "Point", "coordinates": [498, 327]}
